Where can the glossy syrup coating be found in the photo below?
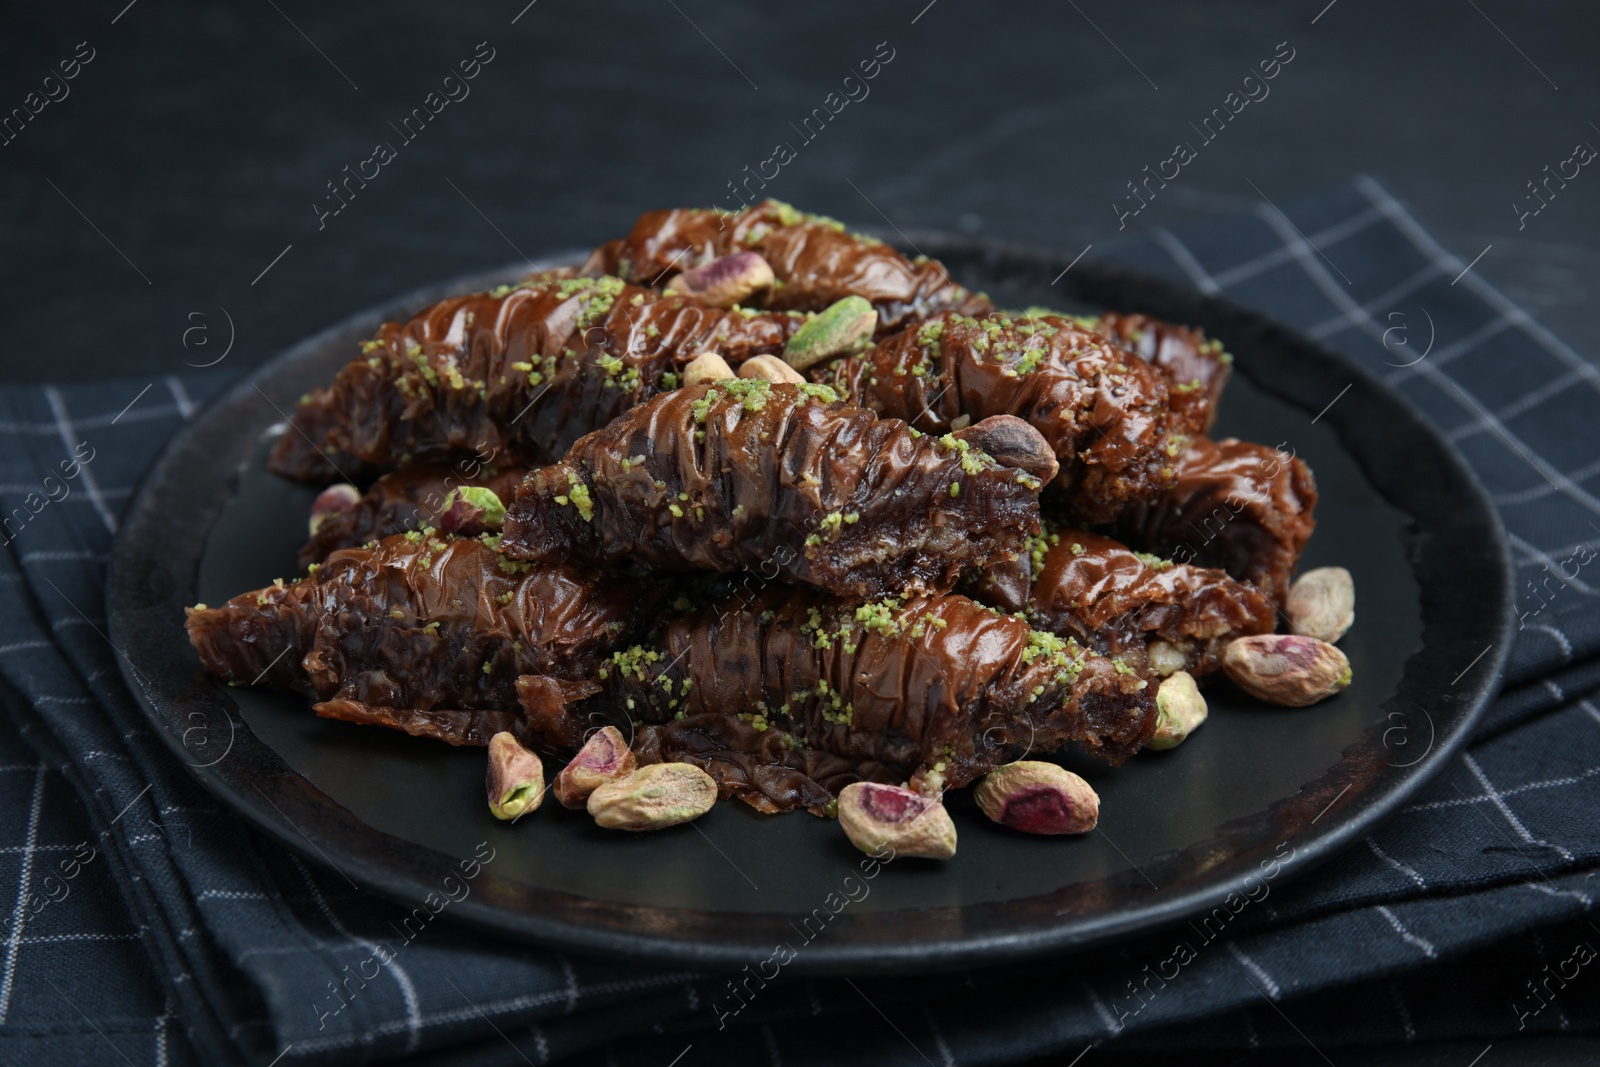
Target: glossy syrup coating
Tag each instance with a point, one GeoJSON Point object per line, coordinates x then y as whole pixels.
{"type": "Point", "coordinates": [403, 501]}
{"type": "Point", "coordinates": [422, 633]}
{"type": "Point", "coordinates": [1115, 600]}
{"type": "Point", "coordinates": [815, 259]}
{"type": "Point", "coordinates": [1195, 364]}
{"type": "Point", "coordinates": [518, 373]}
{"type": "Point", "coordinates": [1105, 412]}
{"type": "Point", "coordinates": [788, 695]}
{"type": "Point", "coordinates": [782, 480]}
{"type": "Point", "coordinates": [1243, 507]}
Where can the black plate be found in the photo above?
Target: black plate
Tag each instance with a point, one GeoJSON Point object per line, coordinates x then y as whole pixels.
{"type": "Point", "coordinates": [1179, 831]}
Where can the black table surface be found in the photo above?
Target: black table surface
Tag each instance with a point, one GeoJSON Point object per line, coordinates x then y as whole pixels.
{"type": "Point", "coordinates": [174, 195]}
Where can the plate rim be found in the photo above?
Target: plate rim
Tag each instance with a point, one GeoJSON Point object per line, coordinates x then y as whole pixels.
{"type": "Point", "coordinates": [405, 871]}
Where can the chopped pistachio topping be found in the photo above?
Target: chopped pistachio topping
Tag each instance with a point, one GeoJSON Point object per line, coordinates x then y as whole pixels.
{"type": "Point", "coordinates": [1042, 642]}
{"type": "Point", "coordinates": [578, 496]}
{"type": "Point", "coordinates": [633, 661]}
{"type": "Point", "coordinates": [702, 407]}
{"type": "Point", "coordinates": [752, 393]}
{"type": "Point", "coordinates": [1038, 547]}
{"type": "Point", "coordinates": [817, 392]}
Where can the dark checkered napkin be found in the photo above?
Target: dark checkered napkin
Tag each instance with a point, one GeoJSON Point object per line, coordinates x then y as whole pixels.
{"type": "Point", "coordinates": [142, 915]}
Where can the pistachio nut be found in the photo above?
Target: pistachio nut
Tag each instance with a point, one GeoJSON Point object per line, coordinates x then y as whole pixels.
{"type": "Point", "coordinates": [1180, 710]}
{"type": "Point", "coordinates": [724, 281]}
{"type": "Point", "coordinates": [1014, 443]}
{"type": "Point", "coordinates": [1286, 669]}
{"type": "Point", "coordinates": [603, 758]}
{"type": "Point", "coordinates": [1038, 798]}
{"type": "Point", "coordinates": [470, 510]}
{"type": "Point", "coordinates": [334, 500]}
{"type": "Point", "coordinates": [1322, 604]}
{"type": "Point", "coordinates": [515, 780]}
{"type": "Point", "coordinates": [772, 369]}
{"type": "Point", "coordinates": [842, 328]}
{"type": "Point", "coordinates": [653, 797]}
{"type": "Point", "coordinates": [706, 367]}
{"type": "Point", "coordinates": [1166, 657]}
{"type": "Point", "coordinates": [875, 817]}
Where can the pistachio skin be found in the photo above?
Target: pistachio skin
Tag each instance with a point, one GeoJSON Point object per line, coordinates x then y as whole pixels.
{"type": "Point", "coordinates": [1181, 710]}
{"type": "Point", "coordinates": [603, 758]}
{"type": "Point", "coordinates": [471, 510]}
{"type": "Point", "coordinates": [1286, 669]}
{"type": "Point", "coordinates": [706, 367]}
{"type": "Point", "coordinates": [515, 779]}
{"type": "Point", "coordinates": [772, 369]}
{"type": "Point", "coordinates": [844, 327]}
{"type": "Point", "coordinates": [726, 280]}
{"type": "Point", "coordinates": [653, 797]}
{"type": "Point", "coordinates": [877, 817]}
{"type": "Point", "coordinates": [1014, 443]}
{"type": "Point", "coordinates": [1322, 604]}
{"type": "Point", "coordinates": [1038, 798]}
{"type": "Point", "coordinates": [334, 500]}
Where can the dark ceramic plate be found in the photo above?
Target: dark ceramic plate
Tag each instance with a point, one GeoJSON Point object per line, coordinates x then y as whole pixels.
{"type": "Point", "coordinates": [1179, 831]}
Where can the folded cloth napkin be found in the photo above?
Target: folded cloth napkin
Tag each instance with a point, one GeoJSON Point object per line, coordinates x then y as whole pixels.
{"type": "Point", "coordinates": [139, 913]}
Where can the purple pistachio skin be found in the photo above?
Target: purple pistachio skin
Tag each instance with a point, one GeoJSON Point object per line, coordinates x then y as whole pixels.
{"type": "Point", "coordinates": [1038, 798]}
{"type": "Point", "coordinates": [1286, 669]}
{"type": "Point", "coordinates": [515, 778]}
{"type": "Point", "coordinates": [878, 817]}
{"type": "Point", "coordinates": [603, 758]}
{"type": "Point", "coordinates": [1322, 604]}
{"type": "Point", "coordinates": [471, 510]}
{"type": "Point", "coordinates": [334, 500]}
{"type": "Point", "coordinates": [726, 280]}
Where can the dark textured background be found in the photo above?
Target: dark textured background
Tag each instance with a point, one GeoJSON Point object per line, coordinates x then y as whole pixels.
{"type": "Point", "coordinates": [191, 149]}
{"type": "Point", "coordinates": [200, 136]}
